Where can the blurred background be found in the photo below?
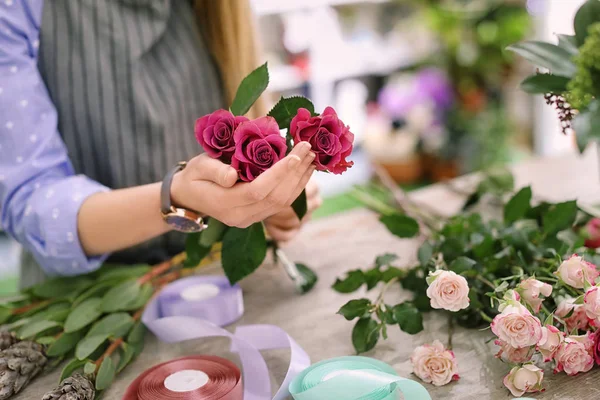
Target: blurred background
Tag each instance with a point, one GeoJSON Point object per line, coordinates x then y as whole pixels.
{"type": "Point", "coordinates": [426, 85]}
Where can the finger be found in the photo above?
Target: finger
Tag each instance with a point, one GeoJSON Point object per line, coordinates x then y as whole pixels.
{"type": "Point", "coordinates": [302, 184]}
{"type": "Point", "coordinates": [281, 235]}
{"type": "Point", "coordinates": [314, 202]}
{"type": "Point", "coordinates": [210, 169]}
{"type": "Point", "coordinates": [285, 219]}
{"type": "Point", "coordinates": [293, 165]}
{"type": "Point", "coordinates": [312, 189]}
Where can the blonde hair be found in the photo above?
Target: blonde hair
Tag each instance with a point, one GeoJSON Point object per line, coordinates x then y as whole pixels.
{"type": "Point", "coordinates": [229, 29]}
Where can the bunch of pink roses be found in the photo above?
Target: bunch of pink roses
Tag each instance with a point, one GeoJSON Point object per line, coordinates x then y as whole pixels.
{"type": "Point", "coordinates": [253, 146]}
{"type": "Point", "coordinates": [568, 338]}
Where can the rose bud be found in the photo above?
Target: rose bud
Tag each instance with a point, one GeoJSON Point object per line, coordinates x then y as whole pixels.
{"type": "Point", "coordinates": [215, 131]}
{"type": "Point", "coordinates": [258, 146]}
{"type": "Point", "coordinates": [530, 290]}
{"type": "Point", "coordinates": [578, 318]}
{"type": "Point", "coordinates": [434, 364]}
{"type": "Point", "coordinates": [513, 355]}
{"type": "Point", "coordinates": [330, 139]}
{"type": "Point", "coordinates": [551, 340]}
{"type": "Point", "coordinates": [574, 271]}
{"type": "Point", "coordinates": [575, 355]}
{"type": "Point", "coordinates": [525, 379]}
{"type": "Point", "coordinates": [593, 231]}
{"type": "Point", "coordinates": [447, 290]}
{"type": "Point", "coordinates": [516, 327]}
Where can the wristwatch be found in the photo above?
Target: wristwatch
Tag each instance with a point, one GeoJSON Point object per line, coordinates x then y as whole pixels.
{"type": "Point", "coordinates": [180, 219]}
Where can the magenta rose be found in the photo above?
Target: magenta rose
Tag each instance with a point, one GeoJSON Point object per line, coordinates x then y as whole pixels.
{"type": "Point", "coordinates": [258, 146]}
{"type": "Point", "coordinates": [330, 139]}
{"type": "Point", "coordinates": [596, 338]}
{"type": "Point", "coordinates": [215, 131]}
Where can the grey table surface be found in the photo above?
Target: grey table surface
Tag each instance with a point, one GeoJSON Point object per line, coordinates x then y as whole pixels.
{"type": "Point", "coordinates": [352, 240]}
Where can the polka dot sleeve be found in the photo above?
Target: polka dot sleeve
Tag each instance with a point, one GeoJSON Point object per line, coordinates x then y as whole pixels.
{"type": "Point", "coordinates": [40, 196]}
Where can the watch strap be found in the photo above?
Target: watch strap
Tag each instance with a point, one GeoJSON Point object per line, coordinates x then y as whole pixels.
{"type": "Point", "coordinates": [165, 189]}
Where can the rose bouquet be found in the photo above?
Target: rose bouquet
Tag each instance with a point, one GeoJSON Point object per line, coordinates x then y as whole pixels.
{"type": "Point", "coordinates": [254, 146]}
{"type": "Point", "coordinates": [530, 276]}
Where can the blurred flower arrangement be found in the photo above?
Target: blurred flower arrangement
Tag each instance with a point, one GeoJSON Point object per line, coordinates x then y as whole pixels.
{"type": "Point", "coordinates": [453, 108]}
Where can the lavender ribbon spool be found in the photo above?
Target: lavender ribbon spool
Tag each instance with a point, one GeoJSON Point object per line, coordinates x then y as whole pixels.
{"type": "Point", "coordinates": [178, 313]}
{"type": "Point", "coordinates": [210, 298]}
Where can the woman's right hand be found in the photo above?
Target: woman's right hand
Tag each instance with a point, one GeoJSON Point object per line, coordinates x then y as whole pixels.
{"type": "Point", "coordinates": [210, 187]}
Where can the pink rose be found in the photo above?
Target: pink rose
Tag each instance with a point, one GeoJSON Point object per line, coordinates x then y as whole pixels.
{"type": "Point", "coordinates": [596, 349]}
{"type": "Point", "coordinates": [525, 379]}
{"type": "Point", "coordinates": [551, 340]}
{"type": "Point", "coordinates": [447, 290]}
{"type": "Point", "coordinates": [578, 318]}
{"type": "Point", "coordinates": [593, 231]}
{"type": "Point", "coordinates": [214, 132]}
{"type": "Point", "coordinates": [512, 355]}
{"type": "Point", "coordinates": [591, 305]}
{"type": "Point", "coordinates": [575, 355]}
{"type": "Point", "coordinates": [258, 146]}
{"type": "Point", "coordinates": [530, 290]}
{"type": "Point", "coordinates": [516, 327]}
{"type": "Point", "coordinates": [511, 297]}
{"type": "Point", "coordinates": [330, 139]}
{"type": "Point", "coordinates": [574, 271]}
{"type": "Point", "coordinates": [434, 364]}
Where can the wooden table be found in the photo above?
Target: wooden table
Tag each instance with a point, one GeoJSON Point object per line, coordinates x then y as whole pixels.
{"type": "Point", "coordinates": [352, 240]}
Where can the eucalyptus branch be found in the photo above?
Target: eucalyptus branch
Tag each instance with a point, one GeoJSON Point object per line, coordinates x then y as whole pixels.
{"type": "Point", "coordinates": [162, 268]}
{"type": "Point", "coordinates": [29, 307]}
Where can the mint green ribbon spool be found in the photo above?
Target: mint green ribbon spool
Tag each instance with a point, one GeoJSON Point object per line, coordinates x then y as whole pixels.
{"type": "Point", "coordinates": [354, 378]}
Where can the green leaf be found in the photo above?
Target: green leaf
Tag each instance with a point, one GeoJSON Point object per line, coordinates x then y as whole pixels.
{"type": "Point", "coordinates": [408, 317]}
{"type": "Point", "coordinates": [471, 200]}
{"type": "Point", "coordinates": [98, 289]}
{"type": "Point", "coordinates": [425, 253]}
{"type": "Point", "coordinates": [137, 333]}
{"type": "Point", "coordinates": [483, 245]}
{"type": "Point", "coordinates": [587, 15]}
{"type": "Point", "coordinates": [146, 292]}
{"type": "Point", "coordinates": [586, 125]}
{"type": "Point", "coordinates": [121, 296]}
{"type": "Point", "coordinates": [547, 55]}
{"type": "Point", "coordinates": [545, 83]}
{"type": "Point", "coordinates": [365, 335]}
{"type": "Point", "coordinates": [83, 315]}
{"type": "Point", "coordinates": [35, 328]}
{"type": "Point", "coordinates": [549, 320]}
{"type": "Point", "coordinates": [309, 277]}
{"type": "Point", "coordinates": [300, 206]}
{"type": "Point", "coordinates": [127, 353]}
{"type": "Point", "coordinates": [518, 206]}
{"type": "Point", "coordinates": [45, 340]}
{"type": "Point", "coordinates": [106, 374]}
{"type": "Point", "coordinates": [89, 344]}
{"type": "Point", "coordinates": [400, 225]}
{"type": "Point", "coordinates": [372, 278]}
{"type": "Point", "coordinates": [122, 272]}
{"type": "Point", "coordinates": [194, 250]}
{"type": "Point", "coordinates": [5, 314]}
{"type": "Point", "coordinates": [116, 325]}
{"type": "Point", "coordinates": [60, 286]}
{"type": "Point", "coordinates": [243, 251]}
{"type": "Point", "coordinates": [462, 264]}
{"type": "Point", "coordinates": [358, 308]}
{"type": "Point", "coordinates": [287, 108]}
{"type": "Point", "coordinates": [352, 282]}
{"type": "Point", "coordinates": [385, 259]}
{"type": "Point", "coordinates": [213, 234]}
{"type": "Point", "coordinates": [71, 367]}
{"type": "Point", "coordinates": [496, 181]}
{"type": "Point", "coordinates": [391, 273]}
{"type": "Point", "coordinates": [65, 343]}
{"type": "Point", "coordinates": [250, 90]}
{"type": "Point", "coordinates": [138, 347]}
{"type": "Point", "coordinates": [569, 43]}
{"type": "Point", "coordinates": [560, 216]}
{"type": "Point", "coordinates": [89, 368]}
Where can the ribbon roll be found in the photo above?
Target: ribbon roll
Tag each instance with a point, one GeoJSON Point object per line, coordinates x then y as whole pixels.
{"type": "Point", "coordinates": [247, 341]}
{"type": "Point", "coordinates": [211, 298]}
{"type": "Point", "coordinates": [187, 378]}
{"type": "Point", "coordinates": [354, 378]}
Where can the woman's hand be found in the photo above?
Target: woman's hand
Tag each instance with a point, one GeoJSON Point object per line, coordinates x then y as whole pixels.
{"type": "Point", "coordinates": [210, 187]}
{"type": "Point", "coordinates": [285, 225]}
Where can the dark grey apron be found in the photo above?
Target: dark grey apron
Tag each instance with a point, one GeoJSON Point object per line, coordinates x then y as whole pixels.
{"type": "Point", "coordinates": [128, 78]}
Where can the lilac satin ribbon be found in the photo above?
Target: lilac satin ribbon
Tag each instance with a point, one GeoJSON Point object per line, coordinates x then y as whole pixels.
{"type": "Point", "coordinates": [247, 341]}
{"type": "Point", "coordinates": [223, 309]}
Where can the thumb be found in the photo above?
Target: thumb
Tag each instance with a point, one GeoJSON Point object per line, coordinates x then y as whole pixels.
{"type": "Point", "coordinates": [213, 170]}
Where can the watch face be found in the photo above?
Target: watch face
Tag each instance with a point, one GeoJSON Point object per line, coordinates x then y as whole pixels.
{"type": "Point", "coordinates": [182, 223]}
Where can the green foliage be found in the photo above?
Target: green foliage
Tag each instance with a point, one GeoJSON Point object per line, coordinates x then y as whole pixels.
{"type": "Point", "coordinates": [300, 206]}
{"type": "Point", "coordinates": [36, 328]}
{"type": "Point", "coordinates": [116, 325]}
{"type": "Point", "coordinates": [60, 287]}
{"type": "Point", "coordinates": [518, 205]}
{"type": "Point", "coordinates": [213, 234]}
{"type": "Point", "coordinates": [126, 355]}
{"type": "Point", "coordinates": [287, 108]}
{"type": "Point", "coordinates": [586, 125]}
{"type": "Point", "coordinates": [243, 251]}
{"type": "Point", "coordinates": [400, 225]}
{"type": "Point", "coordinates": [585, 85]}
{"type": "Point", "coordinates": [194, 249]}
{"type": "Point", "coordinates": [569, 43]}
{"type": "Point", "coordinates": [309, 277]}
{"type": "Point", "coordinates": [122, 296]}
{"type": "Point", "coordinates": [409, 318]}
{"type": "Point", "coordinates": [71, 367]}
{"type": "Point", "coordinates": [353, 281]}
{"type": "Point", "coordinates": [137, 333]}
{"type": "Point", "coordinates": [559, 216]}
{"type": "Point", "coordinates": [121, 272]}
{"type": "Point", "coordinates": [547, 55]}
{"type": "Point", "coordinates": [385, 260]}
{"type": "Point", "coordinates": [89, 345]}
{"type": "Point", "coordinates": [545, 83]}
{"type": "Point", "coordinates": [106, 374]}
{"type": "Point", "coordinates": [83, 315]}
{"type": "Point", "coordinates": [250, 90]}
{"type": "Point", "coordinates": [365, 334]}
{"type": "Point", "coordinates": [587, 15]}
{"type": "Point", "coordinates": [359, 308]}
{"type": "Point", "coordinates": [64, 344]}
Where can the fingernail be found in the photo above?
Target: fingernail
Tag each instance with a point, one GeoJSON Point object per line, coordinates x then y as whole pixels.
{"type": "Point", "coordinates": [294, 161]}
{"type": "Point", "coordinates": [305, 147]}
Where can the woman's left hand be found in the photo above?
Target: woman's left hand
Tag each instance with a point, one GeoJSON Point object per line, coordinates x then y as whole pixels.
{"type": "Point", "coordinates": [285, 225]}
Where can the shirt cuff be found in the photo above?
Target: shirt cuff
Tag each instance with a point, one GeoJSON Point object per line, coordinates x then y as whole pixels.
{"type": "Point", "coordinates": [51, 225]}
